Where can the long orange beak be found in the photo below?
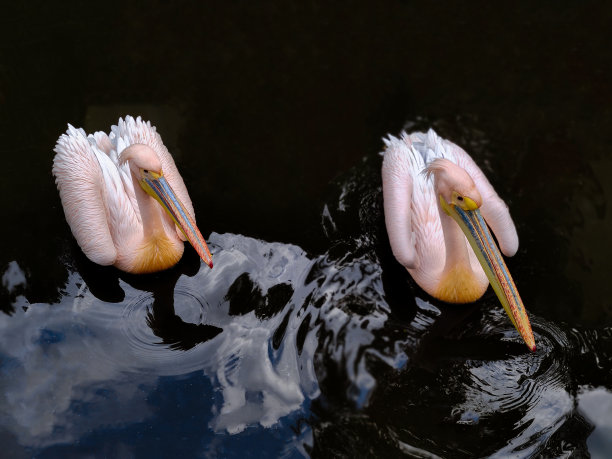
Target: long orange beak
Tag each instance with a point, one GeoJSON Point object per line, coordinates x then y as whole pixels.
{"type": "Point", "coordinates": [477, 233]}
{"type": "Point", "coordinates": [157, 186]}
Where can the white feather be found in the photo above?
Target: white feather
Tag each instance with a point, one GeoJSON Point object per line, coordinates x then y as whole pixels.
{"type": "Point", "coordinates": [97, 189]}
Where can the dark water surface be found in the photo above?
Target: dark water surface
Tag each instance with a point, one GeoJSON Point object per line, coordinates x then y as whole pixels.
{"type": "Point", "coordinates": [307, 338]}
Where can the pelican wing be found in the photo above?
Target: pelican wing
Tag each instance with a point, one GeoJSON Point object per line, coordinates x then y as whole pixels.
{"type": "Point", "coordinates": [80, 181]}
{"type": "Point", "coordinates": [397, 200]}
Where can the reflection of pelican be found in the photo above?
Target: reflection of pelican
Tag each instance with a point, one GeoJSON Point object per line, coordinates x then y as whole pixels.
{"type": "Point", "coordinates": [427, 180]}
{"type": "Point", "coordinates": [109, 184]}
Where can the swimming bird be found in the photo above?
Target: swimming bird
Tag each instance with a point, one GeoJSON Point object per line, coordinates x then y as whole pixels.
{"type": "Point", "coordinates": [438, 203]}
{"type": "Point", "coordinates": [124, 198]}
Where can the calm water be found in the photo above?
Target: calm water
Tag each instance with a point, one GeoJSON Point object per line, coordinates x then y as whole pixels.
{"type": "Point", "coordinates": [307, 338]}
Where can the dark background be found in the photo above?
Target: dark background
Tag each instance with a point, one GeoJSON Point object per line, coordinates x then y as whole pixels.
{"type": "Point", "coordinates": [265, 104]}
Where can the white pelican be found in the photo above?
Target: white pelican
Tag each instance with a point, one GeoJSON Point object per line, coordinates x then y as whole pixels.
{"type": "Point", "coordinates": [124, 198]}
{"type": "Point", "coordinates": [433, 191]}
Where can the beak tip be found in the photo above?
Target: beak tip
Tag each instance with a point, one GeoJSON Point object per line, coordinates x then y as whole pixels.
{"type": "Point", "coordinates": [530, 342]}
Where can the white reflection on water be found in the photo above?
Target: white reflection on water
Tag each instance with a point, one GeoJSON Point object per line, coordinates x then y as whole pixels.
{"type": "Point", "coordinates": [47, 365]}
{"type": "Point", "coordinates": [596, 405]}
{"type": "Point", "coordinates": [13, 277]}
{"type": "Point", "coordinates": [57, 358]}
{"type": "Point", "coordinates": [256, 327]}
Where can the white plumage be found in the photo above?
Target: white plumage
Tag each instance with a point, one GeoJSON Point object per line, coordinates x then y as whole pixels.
{"type": "Point", "coordinates": [99, 195]}
{"type": "Point", "coordinates": [411, 205]}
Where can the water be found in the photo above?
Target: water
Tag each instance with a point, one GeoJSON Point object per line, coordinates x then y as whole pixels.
{"type": "Point", "coordinates": [307, 338]}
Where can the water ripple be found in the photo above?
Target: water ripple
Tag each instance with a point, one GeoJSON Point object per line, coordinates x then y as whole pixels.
{"type": "Point", "coordinates": [283, 335]}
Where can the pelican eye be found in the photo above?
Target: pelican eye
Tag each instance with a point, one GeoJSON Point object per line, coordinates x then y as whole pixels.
{"type": "Point", "coordinates": [459, 198]}
{"type": "Point", "coordinates": [151, 175]}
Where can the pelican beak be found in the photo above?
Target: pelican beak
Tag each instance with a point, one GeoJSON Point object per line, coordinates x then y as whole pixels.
{"type": "Point", "coordinates": [156, 186]}
{"type": "Point", "coordinates": [477, 233]}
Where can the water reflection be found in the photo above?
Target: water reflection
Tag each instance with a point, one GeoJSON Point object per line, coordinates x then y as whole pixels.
{"type": "Point", "coordinates": [528, 388]}
{"type": "Point", "coordinates": [273, 330]}
{"type": "Point", "coordinates": [596, 404]}
{"type": "Point", "coordinates": [252, 326]}
{"type": "Point", "coordinates": [13, 281]}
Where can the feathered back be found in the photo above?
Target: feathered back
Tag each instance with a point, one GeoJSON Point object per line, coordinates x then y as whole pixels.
{"type": "Point", "coordinates": [411, 155]}
{"type": "Point", "coordinates": [97, 191]}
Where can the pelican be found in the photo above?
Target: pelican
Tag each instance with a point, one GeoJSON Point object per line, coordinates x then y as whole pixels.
{"type": "Point", "coordinates": [124, 199]}
{"type": "Point", "coordinates": [436, 197]}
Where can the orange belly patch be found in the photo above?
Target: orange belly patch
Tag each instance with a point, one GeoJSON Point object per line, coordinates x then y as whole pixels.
{"type": "Point", "coordinates": [156, 254]}
{"type": "Point", "coordinates": [460, 285]}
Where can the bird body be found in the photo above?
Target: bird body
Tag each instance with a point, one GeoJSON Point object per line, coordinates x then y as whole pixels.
{"type": "Point", "coordinates": [436, 202]}
{"type": "Point", "coordinates": [124, 198]}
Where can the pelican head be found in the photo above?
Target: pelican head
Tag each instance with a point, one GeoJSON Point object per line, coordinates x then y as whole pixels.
{"type": "Point", "coordinates": [454, 185]}
{"type": "Point", "coordinates": [146, 169]}
{"type": "Point", "coordinates": [460, 199]}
